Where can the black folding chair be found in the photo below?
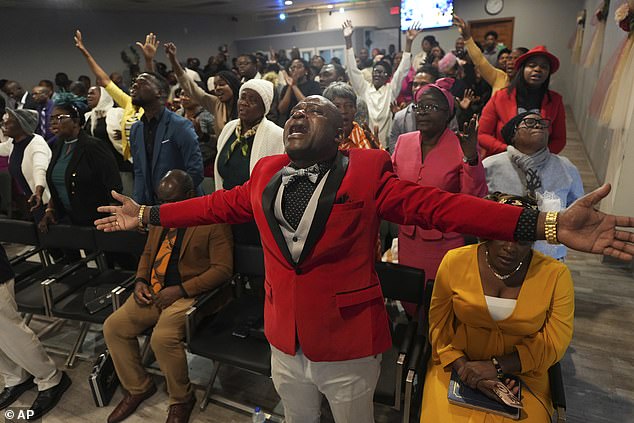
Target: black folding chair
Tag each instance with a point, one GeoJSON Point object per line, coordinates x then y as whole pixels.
{"type": "Point", "coordinates": [234, 335]}
{"type": "Point", "coordinates": [92, 302]}
{"type": "Point", "coordinates": [400, 283]}
{"type": "Point", "coordinates": [31, 297]}
{"type": "Point", "coordinates": [23, 233]}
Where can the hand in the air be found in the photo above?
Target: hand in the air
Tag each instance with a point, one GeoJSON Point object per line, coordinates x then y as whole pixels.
{"type": "Point", "coordinates": [150, 46]}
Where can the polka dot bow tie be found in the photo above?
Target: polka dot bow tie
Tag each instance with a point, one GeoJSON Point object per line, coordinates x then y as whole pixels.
{"type": "Point", "coordinates": [290, 173]}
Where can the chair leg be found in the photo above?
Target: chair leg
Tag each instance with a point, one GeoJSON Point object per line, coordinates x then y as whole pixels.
{"type": "Point", "coordinates": [27, 318]}
{"type": "Point", "coordinates": [409, 390]}
{"type": "Point", "coordinates": [561, 415]}
{"type": "Point", "coordinates": [83, 331]}
{"type": "Point", "coordinates": [212, 379]}
{"type": "Point", "coordinates": [146, 352]}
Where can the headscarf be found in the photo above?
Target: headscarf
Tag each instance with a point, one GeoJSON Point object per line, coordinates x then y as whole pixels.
{"type": "Point", "coordinates": [27, 119]}
{"type": "Point", "coordinates": [101, 109]}
{"type": "Point", "coordinates": [234, 83]}
{"type": "Point", "coordinates": [443, 85]}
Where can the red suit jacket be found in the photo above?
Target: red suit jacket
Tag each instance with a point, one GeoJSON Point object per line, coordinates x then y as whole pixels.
{"type": "Point", "coordinates": [501, 108]}
{"type": "Point", "coordinates": [331, 299]}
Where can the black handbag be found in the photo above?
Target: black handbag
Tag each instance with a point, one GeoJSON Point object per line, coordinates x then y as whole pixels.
{"type": "Point", "coordinates": [103, 380]}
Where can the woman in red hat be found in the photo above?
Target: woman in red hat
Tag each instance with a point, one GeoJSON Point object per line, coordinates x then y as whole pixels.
{"type": "Point", "coordinates": [528, 91]}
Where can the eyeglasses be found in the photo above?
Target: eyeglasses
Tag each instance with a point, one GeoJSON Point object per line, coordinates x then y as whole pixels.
{"type": "Point", "coordinates": [534, 123]}
{"type": "Point", "coordinates": [378, 72]}
{"type": "Point", "coordinates": [249, 101]}
{"type": "Point", "coordinates": [59, 118]}
{"type": "Point", "coordinates": [427, 108]}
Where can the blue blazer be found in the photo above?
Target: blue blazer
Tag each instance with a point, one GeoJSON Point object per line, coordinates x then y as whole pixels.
{"type": "Point", "coordinates": [175, 147]}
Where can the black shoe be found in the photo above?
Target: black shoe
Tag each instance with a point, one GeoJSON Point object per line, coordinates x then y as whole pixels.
{"type": "Point", "coordinates": [12, 393]}
{"type": "Point", "coordinates": [48, 398]}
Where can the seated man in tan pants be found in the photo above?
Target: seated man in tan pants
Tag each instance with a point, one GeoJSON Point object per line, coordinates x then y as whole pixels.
{"type": "Point", "coordinates": [176, 266]}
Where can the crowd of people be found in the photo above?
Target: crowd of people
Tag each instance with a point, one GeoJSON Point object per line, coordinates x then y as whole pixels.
{"type": "Point", "coordinates": [307, 160]}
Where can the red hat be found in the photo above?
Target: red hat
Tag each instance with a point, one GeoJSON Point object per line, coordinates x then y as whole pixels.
{"type": "Point", "coordinates": [538, 51]}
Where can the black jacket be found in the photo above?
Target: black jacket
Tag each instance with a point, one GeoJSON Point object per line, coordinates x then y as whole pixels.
{"type": "Point", "coordinates": [90, 176]}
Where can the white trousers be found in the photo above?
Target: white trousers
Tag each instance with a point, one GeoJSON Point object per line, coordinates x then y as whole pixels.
{"type": "Point", "coordinates": [348, 386]}
{"type": "Point", "coordinates": [21, 352]}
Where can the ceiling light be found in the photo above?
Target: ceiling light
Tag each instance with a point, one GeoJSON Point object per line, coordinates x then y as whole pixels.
{"type": "Point", "coordinates": [288, 2]}
{"type": "Point", "coordinates": [330, 6]}
{"type": "Point", "coordinates": [282, 16]}
{"type": "Point", "coordinates": [342, 10]}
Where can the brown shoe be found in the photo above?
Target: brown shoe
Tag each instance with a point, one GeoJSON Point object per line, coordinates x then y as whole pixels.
{"type": "Point", "coordinates": [179, 413]}
{"type": "Point", "coordinates": [129, 404]}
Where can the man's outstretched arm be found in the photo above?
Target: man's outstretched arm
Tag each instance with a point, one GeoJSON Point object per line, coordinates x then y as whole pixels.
{"type": "Point", "coordinates": [580, 226]}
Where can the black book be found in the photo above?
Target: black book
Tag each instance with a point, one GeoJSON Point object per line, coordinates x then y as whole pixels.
{"type": "Point", "coordinates": [460, 394]}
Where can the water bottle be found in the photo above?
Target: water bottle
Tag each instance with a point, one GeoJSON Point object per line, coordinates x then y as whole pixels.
{"type": "Point", "coordinates": [258, 416]}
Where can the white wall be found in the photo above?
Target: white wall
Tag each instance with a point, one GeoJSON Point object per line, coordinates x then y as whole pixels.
{"type": "Point", "coordinates": [611, 152]}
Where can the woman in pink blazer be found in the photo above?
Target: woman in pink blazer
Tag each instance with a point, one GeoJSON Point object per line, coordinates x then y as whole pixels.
{"type": "Point", "coordinates": [435, 156]}
{"type": "Point", "coordinates": [528, 91]}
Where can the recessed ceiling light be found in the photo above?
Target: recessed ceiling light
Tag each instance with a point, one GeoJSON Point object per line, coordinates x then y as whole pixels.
{"type": "Point", "coordinates": [282, 16]}
{"type": "Point", "coordinates": [288, 2]}
{"type": "Point", "coordinates": [330, 6]}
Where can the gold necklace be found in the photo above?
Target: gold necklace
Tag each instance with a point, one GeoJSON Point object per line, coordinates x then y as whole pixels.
{"type": "Point", "coordinates": [502, 277]}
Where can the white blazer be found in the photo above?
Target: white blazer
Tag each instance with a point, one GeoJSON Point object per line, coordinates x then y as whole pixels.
{"type": "Point", "coordinates": [37, 156]}
{"type": "Point", "coordinates": [268, 141]}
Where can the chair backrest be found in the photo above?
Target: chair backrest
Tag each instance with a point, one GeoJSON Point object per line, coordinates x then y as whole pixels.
{"type": "Point", "coordinates": [69, 236]}
{"type": "Point", "coordinates": [248, 260]}
{"type": "Point", "coordinates": [403, 283]}
{"type": "Point", "coordinates": [18, 232]}
{"type": "Point", "coordinates": [121, 242]}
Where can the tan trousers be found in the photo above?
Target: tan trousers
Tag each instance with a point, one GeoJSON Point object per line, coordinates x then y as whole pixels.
{"type": "Point", "coordinates": [21, 352]}
{"type": "Point", "coordinates": [121, 330]}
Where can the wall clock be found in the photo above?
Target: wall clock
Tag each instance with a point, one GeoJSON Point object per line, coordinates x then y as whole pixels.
{"type": "Point", "coordinates": [493, 7]}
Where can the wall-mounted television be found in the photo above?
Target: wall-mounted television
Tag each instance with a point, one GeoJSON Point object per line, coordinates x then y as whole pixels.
{"type": "Point", "coordinates": [430, 13]}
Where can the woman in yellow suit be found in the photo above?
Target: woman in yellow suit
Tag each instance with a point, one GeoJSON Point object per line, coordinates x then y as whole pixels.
{"type": "Point", "coordinates": [497, 302]}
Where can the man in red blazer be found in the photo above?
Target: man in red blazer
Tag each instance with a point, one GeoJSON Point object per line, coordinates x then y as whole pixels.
{"type": "Point", "coordinates": [318, 211]}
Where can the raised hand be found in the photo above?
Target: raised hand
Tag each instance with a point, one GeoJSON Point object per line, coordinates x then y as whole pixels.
{"type": "Point", "coordinates": [583, 228]}
{"type": "Point", "coordinates": [467, 99]}
{"type": "Point", "coordinates": [413, 31]}
{"type": "Point", "coordinates": [79, 42]}
{"type": "Point", "coordinates": [170, 50]}
{"type": "Point", "coordinates": [149, 47]}
{"type": "Point", "coordinates": [122, 218]}
{"type": "Point", "coordinates": [469, 138]}
{"type": "Point", "coordinates": [462, 26]}
{"type": "Point", "coordinates": [287, 78]}
{"type": "Point", "coordinates": [348, 29]}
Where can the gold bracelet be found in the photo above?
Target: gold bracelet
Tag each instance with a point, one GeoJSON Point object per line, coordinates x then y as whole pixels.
{"type": "Point", "coordinates": [141, 210]}
{"type": "Point", "coordinates": [550, 227]}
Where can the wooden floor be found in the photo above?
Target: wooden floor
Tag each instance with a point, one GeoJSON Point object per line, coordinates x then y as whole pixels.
{"type": "Point", "coordinates": [598, 369]}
